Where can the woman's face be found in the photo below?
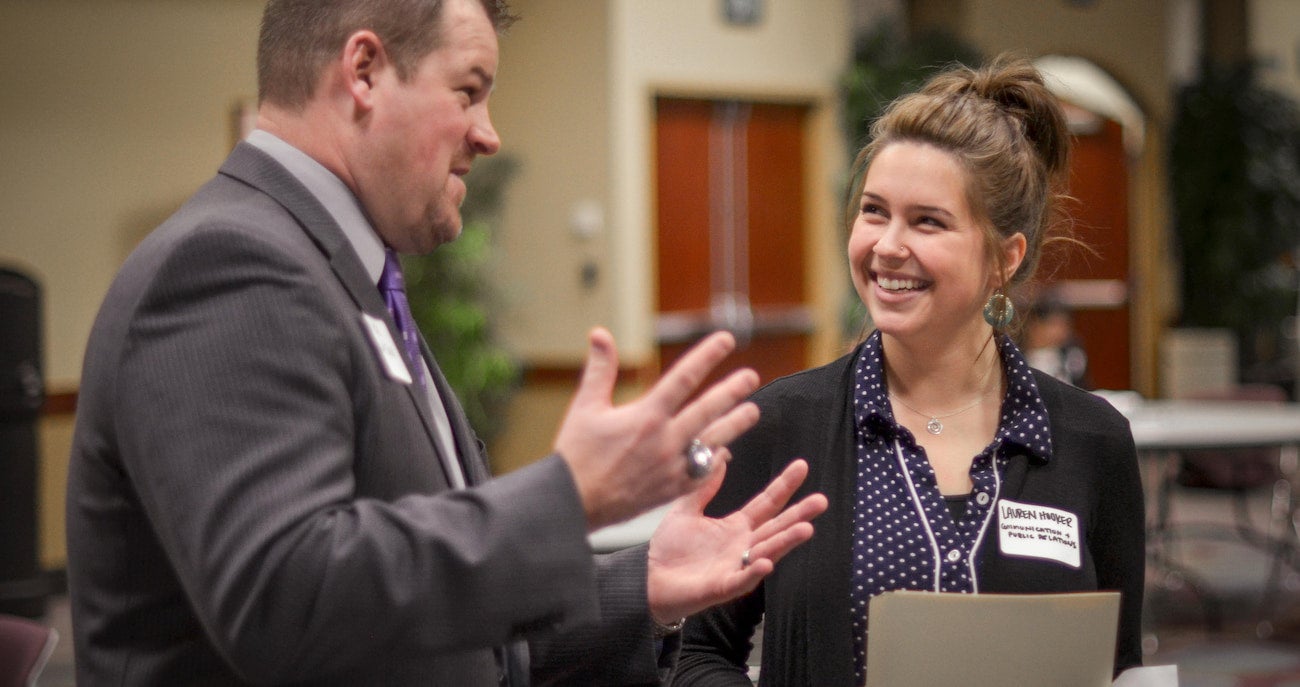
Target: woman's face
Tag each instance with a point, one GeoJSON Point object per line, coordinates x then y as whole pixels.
{"type": "Point", "coordinates": [917, 254]}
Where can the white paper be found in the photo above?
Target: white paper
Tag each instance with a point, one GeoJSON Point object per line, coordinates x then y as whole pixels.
{"type": "Point", "coordinates": [1148, 676]}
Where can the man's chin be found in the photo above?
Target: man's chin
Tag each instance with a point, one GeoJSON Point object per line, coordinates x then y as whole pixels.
{"type": "Point", "coordinates": [444, 232]}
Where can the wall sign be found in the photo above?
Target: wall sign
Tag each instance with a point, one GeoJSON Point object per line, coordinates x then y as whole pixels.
{"type": "Point", "coordinates": [742, 12]}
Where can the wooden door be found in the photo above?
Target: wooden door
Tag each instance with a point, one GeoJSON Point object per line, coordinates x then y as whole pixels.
{"type": "Point", "coordinates": [1096, 288]}
{"type": "Point", "coordinates": [730, 230]}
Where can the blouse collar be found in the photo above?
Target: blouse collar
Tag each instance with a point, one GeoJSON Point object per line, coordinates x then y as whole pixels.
{"type": "Point", "coordinates": [1024, 415]}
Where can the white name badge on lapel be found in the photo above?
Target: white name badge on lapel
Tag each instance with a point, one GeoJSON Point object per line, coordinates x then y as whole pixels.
{"type": "Point", "coordinates": [392, 359]}
{"type": "Point", "coordinates": [1034, 531]}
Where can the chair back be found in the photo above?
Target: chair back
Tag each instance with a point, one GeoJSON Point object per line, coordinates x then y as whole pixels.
{"type": "Point", "coordinates": [25, 648]}
{"type": "Point", "coordinates": [1233, 469]}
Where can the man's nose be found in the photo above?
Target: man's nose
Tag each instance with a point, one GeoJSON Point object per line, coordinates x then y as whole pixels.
{"type": "Point", "coordinates": [483, 137]}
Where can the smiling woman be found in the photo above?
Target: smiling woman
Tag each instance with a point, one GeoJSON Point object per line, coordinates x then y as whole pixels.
{"type": "Point", "coordinates": [934, 432]}
{"type": "Point", "coordinates": [911, 247]}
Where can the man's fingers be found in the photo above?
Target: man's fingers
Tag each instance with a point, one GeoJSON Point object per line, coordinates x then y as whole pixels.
{"type": "Point", "coordinates": [685, 376]}
{"type": "Point", "coordinates": [600, 372]}
{"type": "Point", "coordinates": [713, 418]}
{"type": "Point", "coordinates": [723, 430]}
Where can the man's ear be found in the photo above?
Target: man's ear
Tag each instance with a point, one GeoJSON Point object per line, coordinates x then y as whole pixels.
{"type": "Point", "coordinates": [362, 61]}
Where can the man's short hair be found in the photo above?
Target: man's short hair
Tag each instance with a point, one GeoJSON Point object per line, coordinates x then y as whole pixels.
{"type": "Point", "coordinates": [299, 37]}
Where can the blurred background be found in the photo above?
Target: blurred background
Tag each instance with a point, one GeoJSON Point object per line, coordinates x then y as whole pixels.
{"type": "Point", "coordinates": [671, 167]}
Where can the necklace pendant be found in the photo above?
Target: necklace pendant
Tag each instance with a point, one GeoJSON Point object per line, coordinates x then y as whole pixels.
{"type": "Point", "coordinates": [934, 426]}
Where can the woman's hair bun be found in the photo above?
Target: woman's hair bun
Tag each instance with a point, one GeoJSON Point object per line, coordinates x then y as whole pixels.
{"type": "Point", "coordinates": [1017, 86]}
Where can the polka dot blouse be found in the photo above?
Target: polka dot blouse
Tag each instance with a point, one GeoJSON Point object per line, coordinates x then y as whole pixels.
{"type": "Point", "coordinates": [904, 534]}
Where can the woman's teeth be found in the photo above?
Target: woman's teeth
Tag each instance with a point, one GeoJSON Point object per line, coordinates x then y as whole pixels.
{"type": "Point", "coordinates": [899, 284]}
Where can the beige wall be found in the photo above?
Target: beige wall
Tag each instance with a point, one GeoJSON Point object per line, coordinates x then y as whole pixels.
{"type": "Point", "coordinates": [551, 108]}
{"type": "Point", "coordinates": [1124, 38]}
{"type": "Point", "coordinates": [114, 112]}
{"type": "Point", "coordinates": [54, 441]}
{"type": "Point", "coordinates": [1275, 41]}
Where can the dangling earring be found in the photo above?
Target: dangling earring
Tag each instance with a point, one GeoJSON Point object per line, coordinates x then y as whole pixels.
{"type": "Point", "coordinates": [999, 311]}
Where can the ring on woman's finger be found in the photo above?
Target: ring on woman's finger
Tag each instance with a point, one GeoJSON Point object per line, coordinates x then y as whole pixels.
{"type": "Point", "coordinates": [744, 559]}
{"type": "Point", "coordinates": [699, 459]}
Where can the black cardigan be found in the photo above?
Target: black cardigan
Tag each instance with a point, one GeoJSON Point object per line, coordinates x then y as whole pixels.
{"type": "Point", "coordinates": [808, 631]}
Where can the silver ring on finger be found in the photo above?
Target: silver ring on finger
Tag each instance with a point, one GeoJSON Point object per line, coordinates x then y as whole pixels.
{"type": "Point", "coordinates": [744, 559]}
{"type": "Point", "coordinates": [699, 459]}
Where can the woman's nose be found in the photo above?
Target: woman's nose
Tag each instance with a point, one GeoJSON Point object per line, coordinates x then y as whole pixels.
{"type": "Point", "coordinates": [891, 243]}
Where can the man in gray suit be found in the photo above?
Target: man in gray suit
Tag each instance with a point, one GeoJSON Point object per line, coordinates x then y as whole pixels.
{"type": "Point", "coordinates": [268, 488]}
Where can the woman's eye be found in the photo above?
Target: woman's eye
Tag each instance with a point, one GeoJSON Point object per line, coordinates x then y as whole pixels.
{"type": "Point", "coordinates": [872, 209]}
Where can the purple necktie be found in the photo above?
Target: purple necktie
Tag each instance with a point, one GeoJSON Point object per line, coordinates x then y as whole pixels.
{"type": "Point", "coordinates": [393, 288]}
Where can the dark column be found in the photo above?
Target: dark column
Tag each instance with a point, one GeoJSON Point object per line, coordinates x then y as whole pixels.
{"type": "Point", "coordinates": [23, 588]}
{"type": "Point", "coordinates": [1224, 29]}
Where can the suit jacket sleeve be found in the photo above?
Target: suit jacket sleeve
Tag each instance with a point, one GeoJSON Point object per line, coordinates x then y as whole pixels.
{"type": "Point", "coordinates": [622, 649]}
{"type": "Point", "coordinates": [244, 393]}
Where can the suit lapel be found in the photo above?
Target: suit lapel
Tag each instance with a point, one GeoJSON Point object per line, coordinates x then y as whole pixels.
{"type": "Point", "coordinates": [254, 167]}
{"type": "Point", "coordinates": [463, 435]}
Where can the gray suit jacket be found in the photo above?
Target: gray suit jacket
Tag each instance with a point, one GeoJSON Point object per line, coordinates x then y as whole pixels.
{"type": "Point", "coordinates": [252, 500]}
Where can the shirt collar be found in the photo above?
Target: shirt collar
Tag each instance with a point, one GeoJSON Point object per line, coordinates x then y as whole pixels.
{"type": "Point", "coordinates": [332, 193]}
{"type": "Point", "coordinates": [1022, 406]}
{"type": "Point", "coordinates": [871, 398]}
{"type": "Point", "coordinates": [1024, 419]}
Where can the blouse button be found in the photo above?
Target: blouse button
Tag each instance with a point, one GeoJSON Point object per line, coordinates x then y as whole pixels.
{"type": "Point", "coordinates": [982, 498]}
{"type": "Point", "coordinates": [954, 556]}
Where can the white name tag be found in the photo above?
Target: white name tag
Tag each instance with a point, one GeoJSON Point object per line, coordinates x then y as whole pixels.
{"type": "Point", "coordinates": [394, 363]}
{"type": "Point", "coordinates": [1038, 532]}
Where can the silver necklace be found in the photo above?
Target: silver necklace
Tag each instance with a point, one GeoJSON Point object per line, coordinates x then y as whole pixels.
{"type": "Point", "coordinates": [935, 427]}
